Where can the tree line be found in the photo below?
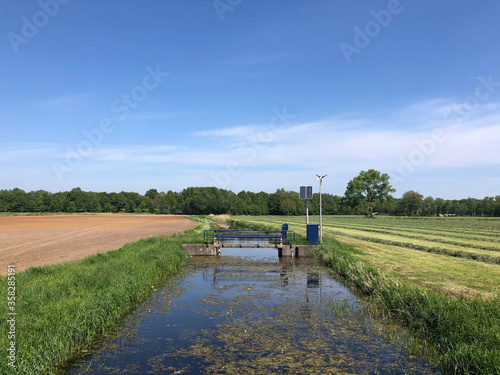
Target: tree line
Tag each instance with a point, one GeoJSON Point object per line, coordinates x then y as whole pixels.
{"type": "Point", "coordinates": [212, 200]}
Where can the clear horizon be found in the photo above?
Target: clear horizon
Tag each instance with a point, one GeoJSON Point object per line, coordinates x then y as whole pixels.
{"type": "Point", "coordinates": [250, 95]}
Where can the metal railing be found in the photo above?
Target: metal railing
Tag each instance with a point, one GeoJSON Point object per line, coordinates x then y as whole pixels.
{"type": "Point", "coordinates": [254, 237]}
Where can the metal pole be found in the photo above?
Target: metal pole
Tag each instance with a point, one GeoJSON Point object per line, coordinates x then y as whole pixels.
{"type": "Point", "coordinates": [320, 178]}
{"type": "Point", "coordinates": [307, 211]}
{"type": "Point", "coordinates": [320, 213]}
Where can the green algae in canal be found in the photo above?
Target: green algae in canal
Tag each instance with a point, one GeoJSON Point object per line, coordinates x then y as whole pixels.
{"type": "Point", "coordinates": [251, 314]}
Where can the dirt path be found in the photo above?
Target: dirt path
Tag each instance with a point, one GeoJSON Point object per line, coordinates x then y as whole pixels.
{"type": "Point", "coordinates": [27, 241]}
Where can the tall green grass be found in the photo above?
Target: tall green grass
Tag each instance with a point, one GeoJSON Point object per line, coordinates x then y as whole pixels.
{"type": "Point", "coordinates": [464, 334]}
{"type": "Point", "coordinates": [62, 309]}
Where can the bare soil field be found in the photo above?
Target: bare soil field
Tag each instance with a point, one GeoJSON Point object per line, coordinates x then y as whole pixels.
{"type": "Point", "coordinates": [27, 241]}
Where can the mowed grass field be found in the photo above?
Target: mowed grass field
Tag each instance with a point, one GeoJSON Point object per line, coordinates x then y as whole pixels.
{"type": "Point", "coordinates": [453, 255]}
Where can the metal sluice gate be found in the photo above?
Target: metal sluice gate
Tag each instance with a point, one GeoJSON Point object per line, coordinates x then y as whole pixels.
{"type": "Point", "coordinates": [249, 238]}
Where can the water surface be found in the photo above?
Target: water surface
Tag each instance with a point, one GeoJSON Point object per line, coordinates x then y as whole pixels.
{"type": "Point", "coordinates": [248, 312]}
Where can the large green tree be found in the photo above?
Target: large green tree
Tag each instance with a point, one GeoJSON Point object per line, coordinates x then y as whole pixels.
{"type": "Point", "coordinates": [411, 203]}
{"type": "Point", "coordinates": [288, 206]}
{"type": "Point", "coordinates": [368, 188]}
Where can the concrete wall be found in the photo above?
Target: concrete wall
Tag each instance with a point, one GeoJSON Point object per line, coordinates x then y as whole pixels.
{"type": "Point", "coordinates": [305, 251]}
{"type": "Point", "coordinates": [201, 250]}
{"type": "Point", "coordinates": [300, 251]}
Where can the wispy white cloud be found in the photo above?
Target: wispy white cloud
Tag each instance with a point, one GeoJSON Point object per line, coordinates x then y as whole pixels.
{"type": "Point", "coordinates": [237, 132]}
{"type": "Point", "coordinates": [358, 142]}
{"type": "Point", "coordinates": [340, 146]}
{"type": "Point", "coordinates": [258, 59]}
{"type": "Point", "coordinates": [11, 153]}
{"type": "Point", "coordinates": [151, 116]}
{"type": "Point", "coordinates": [71, 102]}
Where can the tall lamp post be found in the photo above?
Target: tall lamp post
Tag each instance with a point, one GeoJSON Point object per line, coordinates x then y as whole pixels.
{"type": "Point", "coordinates": [320, 179]}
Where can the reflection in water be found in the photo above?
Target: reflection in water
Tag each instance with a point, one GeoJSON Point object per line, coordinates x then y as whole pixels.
{"type": "Point", "coordinates": [249, 313]}
{"type": "Point", "coordinates": [313, 280]}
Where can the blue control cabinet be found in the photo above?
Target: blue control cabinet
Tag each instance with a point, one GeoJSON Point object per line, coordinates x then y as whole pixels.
{"type": "Point", "coordinates": [313, 233]}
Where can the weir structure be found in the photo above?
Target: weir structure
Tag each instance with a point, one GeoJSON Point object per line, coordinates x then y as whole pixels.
{"type": "Point", "coordinates": [282, 240]}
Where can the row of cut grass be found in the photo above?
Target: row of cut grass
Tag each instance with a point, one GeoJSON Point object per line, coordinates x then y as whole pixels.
{"type": "Point", "coordinates": [428, 246]}
{"type": "Point", "coordinates": [63, 308]}
{"type": "Point", "coordinates": [484, 226]}
{"type": "Point", "coordinates": [487, 225]}
{"type": "Point", "coordinates": [464, 334]}
{"type": "Point", "coordinates": [467, 240]}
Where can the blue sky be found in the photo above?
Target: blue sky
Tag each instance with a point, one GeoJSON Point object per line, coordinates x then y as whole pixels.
{"type": "Point", "coordinates": [250, 94]}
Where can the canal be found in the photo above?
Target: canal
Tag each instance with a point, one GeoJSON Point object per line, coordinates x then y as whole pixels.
{"type": "Point", "coordinates": [250, 312]}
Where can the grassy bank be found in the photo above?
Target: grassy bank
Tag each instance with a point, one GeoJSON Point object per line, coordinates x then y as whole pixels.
{"type": "Point", "coordinates": [62, 309]}
{"type": "Point", "coordinates": [464, 334]}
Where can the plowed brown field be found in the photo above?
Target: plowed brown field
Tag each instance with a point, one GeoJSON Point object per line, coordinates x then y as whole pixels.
{"type": "Point", "coordinates": [27, 241]}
